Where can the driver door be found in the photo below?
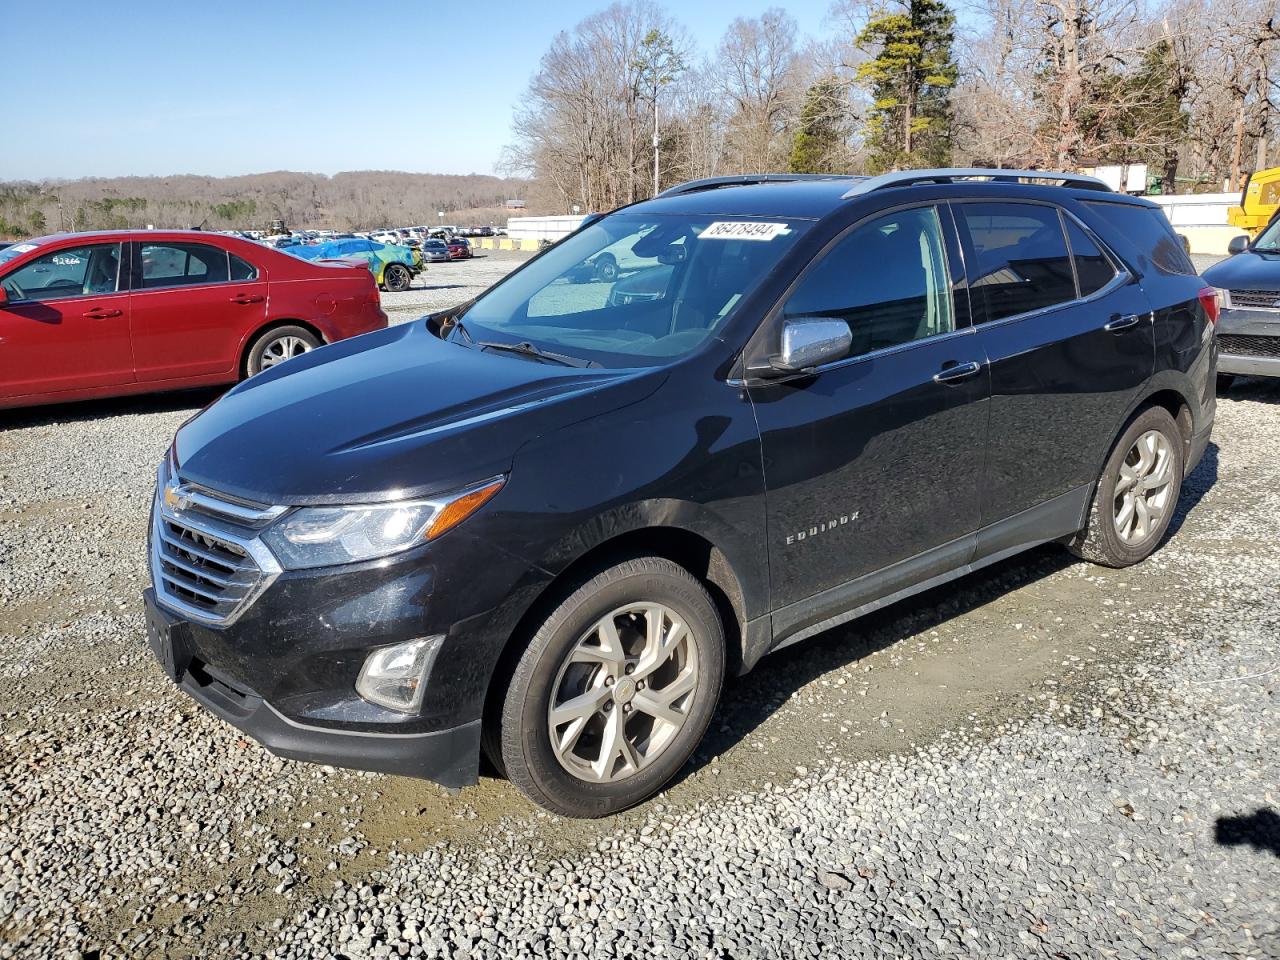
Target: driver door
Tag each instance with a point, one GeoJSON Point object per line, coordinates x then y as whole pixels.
{"type": "Point", "coordinates": [64, 324]}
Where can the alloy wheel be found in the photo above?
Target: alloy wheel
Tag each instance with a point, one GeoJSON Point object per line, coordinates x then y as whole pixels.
{"type": "Point", "coordinates": [623, 693]}
{"type": "Point", "coordinates": [283, 348]}
{"type": "Point", "coordinates": [1143, 491]}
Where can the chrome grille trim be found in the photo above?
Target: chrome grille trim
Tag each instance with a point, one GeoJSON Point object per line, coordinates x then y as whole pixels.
{"type": "Point", "coordinates": [1253, 299]}
{"type": "Point", "coordinates": [204, 566]}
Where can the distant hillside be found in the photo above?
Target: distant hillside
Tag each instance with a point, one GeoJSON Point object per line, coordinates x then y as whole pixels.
{"type": "Point", "coordinates": [345, 201]}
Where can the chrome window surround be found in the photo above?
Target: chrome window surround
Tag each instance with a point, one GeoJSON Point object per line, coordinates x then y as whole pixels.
{"type": "Point", "coordinates": [1122, 276]}
{"type": "Point", "coordinates": [221, 520]}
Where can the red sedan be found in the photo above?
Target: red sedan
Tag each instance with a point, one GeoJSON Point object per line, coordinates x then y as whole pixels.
{"type": "Point", "coordinates": [459, 249]}
{"type": "Point", "coordinates": [134, 311]}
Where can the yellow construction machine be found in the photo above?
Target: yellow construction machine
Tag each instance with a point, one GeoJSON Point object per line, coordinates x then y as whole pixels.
{"type": "Point", "coordinates": [1259, 201]}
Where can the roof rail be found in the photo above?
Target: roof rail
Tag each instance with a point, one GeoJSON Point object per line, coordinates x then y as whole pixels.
{"type": "Point", "coordinates": [747, 179]}
{"type": "Point", "coordinates": [905, 178]}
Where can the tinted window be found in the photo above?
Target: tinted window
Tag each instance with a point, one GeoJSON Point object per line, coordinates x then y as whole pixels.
{"type": "Point", "coordinates": [887, 279]}
{"type": "Point", "coordinates": [182, 264]}
{"type": "Point", "coordinates": [1093, 269]}
{"type": "Point", "coordinates": [242, 269]}
{"type": "Point", "coordinates": [1020, 257]}
{"type": "Point", "coordinates": [69, 272]}
{"type": "Point", "coordinates": [1149, 230]}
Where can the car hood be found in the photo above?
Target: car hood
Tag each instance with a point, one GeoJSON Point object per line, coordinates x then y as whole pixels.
{"type": "Point", "coordinates": [394, 413]}
{"type": "Point", "coordinates": [1246, 271]}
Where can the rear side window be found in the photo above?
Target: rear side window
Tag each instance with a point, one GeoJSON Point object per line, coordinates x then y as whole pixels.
{"type": "Point", "coordinates": [242, 269]}
{"type": "Point", "coordinates": [182, 265]}
{"type": "Point", "coordinates": [1150, 232]}
{"type": "Point", "coordinates": [1093, 269]}
{"type": "Point", "coordinates": [1021, 258]}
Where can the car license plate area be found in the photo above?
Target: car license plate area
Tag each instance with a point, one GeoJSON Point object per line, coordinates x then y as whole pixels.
{"type": "Point", "coordinates": [161, 638]}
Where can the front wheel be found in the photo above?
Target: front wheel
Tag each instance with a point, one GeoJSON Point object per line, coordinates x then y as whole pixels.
{"type": "Point", "coordinates": [396, 278]}
{"type": "Point", "coordinates": [615, 690]}
{"type": "Point", "coordinates": [278, 345]}
{"type": "Point", "coordinates": [1135, 498]}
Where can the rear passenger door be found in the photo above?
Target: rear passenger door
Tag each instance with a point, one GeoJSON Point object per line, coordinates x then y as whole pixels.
{"type": "Point", "coordinates": [1068, 334]}
{"type": "Point", "coordinates": [193, 304]}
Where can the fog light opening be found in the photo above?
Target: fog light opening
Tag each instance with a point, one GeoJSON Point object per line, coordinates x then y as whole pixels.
{"type": "Point", "coordinates": [395, 676]}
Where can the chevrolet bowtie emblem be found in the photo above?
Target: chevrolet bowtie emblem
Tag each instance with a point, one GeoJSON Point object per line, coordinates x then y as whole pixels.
{"type": "Point", "coordinates": [175, 500]}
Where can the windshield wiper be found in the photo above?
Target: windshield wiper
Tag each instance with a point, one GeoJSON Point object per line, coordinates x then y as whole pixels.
{"type": "Point", "coordinates": [527, 349]}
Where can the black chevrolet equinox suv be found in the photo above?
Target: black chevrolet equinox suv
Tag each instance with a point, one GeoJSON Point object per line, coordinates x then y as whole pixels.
{"type": "Point", "coordinates": [543, 526]}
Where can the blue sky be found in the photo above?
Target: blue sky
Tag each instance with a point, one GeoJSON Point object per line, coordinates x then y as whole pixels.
{"type": "Point", "coordinates": [142, 87]}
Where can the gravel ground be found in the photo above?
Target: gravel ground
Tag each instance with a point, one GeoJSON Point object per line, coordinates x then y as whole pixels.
{"type": "Point", "coordinates": [1044, 759]}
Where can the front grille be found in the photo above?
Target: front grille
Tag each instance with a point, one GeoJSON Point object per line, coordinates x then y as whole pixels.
{"type": "Point", "coordinates": [1246, 346]}
{"type": "Point", "coordinates": [1254, 299]}
{"type": "Point", "coordinates": [207, 560]}
{"type": "Point", "coordinates": [210, 573]}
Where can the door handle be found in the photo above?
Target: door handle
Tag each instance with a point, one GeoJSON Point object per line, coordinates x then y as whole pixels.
{"type": "Point", "coordinates": [1122, 323]}
{"type": "Point", "coordinates": [101, 313]}
{"type": "Point", "coordinates": [957, 372]}
{"type": "Point", "coordinates": [246, 298]}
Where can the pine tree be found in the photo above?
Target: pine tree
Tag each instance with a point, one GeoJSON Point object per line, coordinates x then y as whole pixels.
{"type": "Point", "coordinates": [819, 142]}
{"type": "Point", "coordinates": [910, 75]}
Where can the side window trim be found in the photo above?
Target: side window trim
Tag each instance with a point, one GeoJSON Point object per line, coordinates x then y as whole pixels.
{"type": "Point", "coordinates": [1122, 276]}
{"type": "Point", "coordinates": [768, 329]}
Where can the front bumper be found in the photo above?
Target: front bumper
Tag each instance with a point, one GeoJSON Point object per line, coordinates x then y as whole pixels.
{"type": "Point", "coordinates": [1249, 342]}
{"type": "Point", "coordinates": [448, 756]}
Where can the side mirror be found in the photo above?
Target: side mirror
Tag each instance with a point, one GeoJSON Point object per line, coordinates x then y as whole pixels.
{"type": "Point", "coordinates": [808, 342]}
{"type": "Point", "coordinates": [1237, 245]}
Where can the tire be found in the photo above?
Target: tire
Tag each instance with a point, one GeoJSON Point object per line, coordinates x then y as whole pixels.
{"type": "Point", "coordinates": [277, 345]}
{"type": "Point", "coordinates": [1225, 380]}
{"type": "Point", "coordinates": [1102, 541]}
{"type": "Point", "coordinates": [631, 596]}
{"type": "Point", "coordinates": [396, 278]}
{"type": "Point", "coordinates": [607, 269]}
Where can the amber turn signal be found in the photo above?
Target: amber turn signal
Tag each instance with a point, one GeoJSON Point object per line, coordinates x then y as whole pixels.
{"type": "Point", "coordinates": [464, 506]}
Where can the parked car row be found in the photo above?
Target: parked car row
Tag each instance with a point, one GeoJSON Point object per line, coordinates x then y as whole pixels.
{"type": "Point", "coordinates": [100, 314]}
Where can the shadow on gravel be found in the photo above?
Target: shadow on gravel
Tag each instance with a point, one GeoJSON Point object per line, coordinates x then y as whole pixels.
{"type": "Point", "coordinates": [84, 410]}
{"type": "Point", "coordinates": [1198, 483]}
{"type": "Point", "coordinates": [1253, 389]}
{"type": "Point", "coordinates": [748, 701]}
{"type": "Point", "coordinates": [1260, 830]}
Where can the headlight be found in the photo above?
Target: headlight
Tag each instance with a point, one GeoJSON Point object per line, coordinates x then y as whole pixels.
{"type": "Point", "coordinates": [324, 536]}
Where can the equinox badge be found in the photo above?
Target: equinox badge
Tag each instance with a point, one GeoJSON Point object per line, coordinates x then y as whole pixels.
{"type": "Point", "coordinates": [822, 527]}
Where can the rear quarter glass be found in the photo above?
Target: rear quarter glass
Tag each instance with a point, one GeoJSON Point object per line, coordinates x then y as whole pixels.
{"type": "Point", "coordinates": [1145, 231]}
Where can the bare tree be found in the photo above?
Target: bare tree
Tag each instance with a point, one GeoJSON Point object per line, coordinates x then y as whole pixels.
{"type": "Point", "coordinates": [760, 78]}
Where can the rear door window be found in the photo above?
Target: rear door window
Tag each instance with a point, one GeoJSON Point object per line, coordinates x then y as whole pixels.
{"type": "Point", "coordinates": [1020, 259]}
{"type": "Point", "coordinates": [1148, 229]}
{"type": "Point", "coordinates": [182, 265]}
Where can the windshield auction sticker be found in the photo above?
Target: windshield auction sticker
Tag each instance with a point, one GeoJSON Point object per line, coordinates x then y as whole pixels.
{"type": "Point", "coordinates": [742, 230]}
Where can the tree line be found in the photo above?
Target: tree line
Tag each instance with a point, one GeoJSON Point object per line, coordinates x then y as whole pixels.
{"type": "Point", "coordinates": [345, 201]}
{"type": "Point", "coordinates": [1190, 87]}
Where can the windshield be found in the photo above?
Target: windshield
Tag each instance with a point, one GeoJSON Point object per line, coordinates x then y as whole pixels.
{"type": "Point", "coordinates": [633, 289]}
{"type": "Point", "coordinates": [1268, 241]}
{"type": "Point", "coordinates": [15, 251]}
